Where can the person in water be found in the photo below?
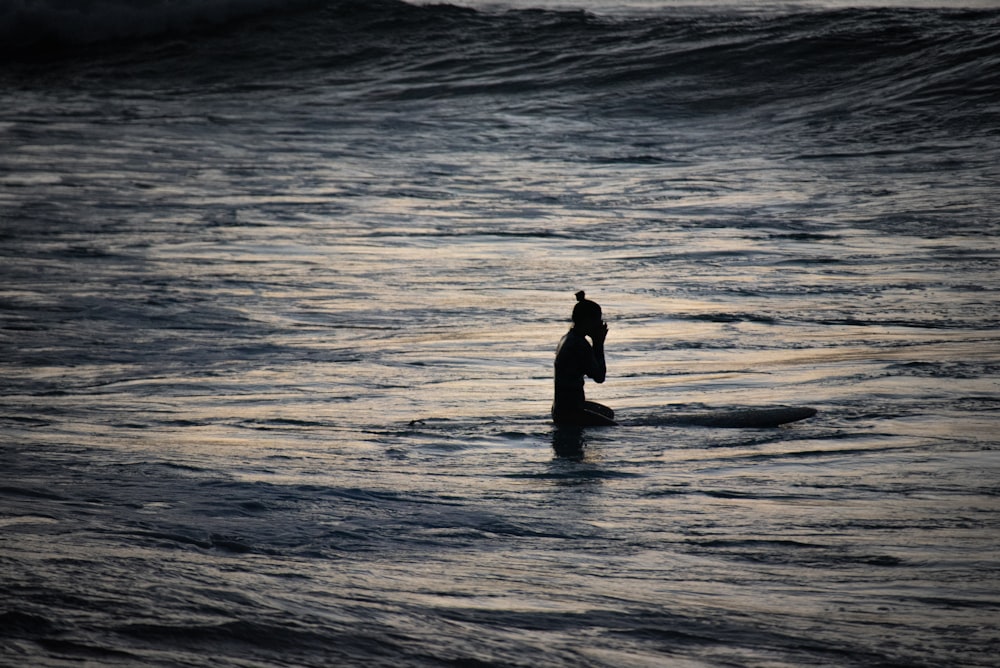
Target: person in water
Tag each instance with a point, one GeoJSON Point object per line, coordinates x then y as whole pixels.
{"type": "Point", "coordinates": [576, 358]}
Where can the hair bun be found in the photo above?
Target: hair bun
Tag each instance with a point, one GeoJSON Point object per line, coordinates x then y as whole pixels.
{"type": "Point", "coordinates": [581, 295]}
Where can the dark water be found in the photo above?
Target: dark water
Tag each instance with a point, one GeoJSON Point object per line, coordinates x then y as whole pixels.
{"type": "Point", "coordinates": [280, 291]}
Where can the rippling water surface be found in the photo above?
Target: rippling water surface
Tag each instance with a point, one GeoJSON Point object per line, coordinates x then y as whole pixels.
{"type": "Point", "coordinates": [279, 299]}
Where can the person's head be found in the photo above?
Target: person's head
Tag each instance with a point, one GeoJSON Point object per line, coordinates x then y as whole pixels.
{"type": "Point", "coordinates": [587, 316]}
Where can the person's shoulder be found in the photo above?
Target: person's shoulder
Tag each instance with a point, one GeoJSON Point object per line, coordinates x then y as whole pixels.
{"type": "Point", "coordinates": [576, 340]}
{"type": "Point", "coordinates": [569, 341]}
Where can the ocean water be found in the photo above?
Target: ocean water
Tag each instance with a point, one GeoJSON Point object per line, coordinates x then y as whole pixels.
{"type": "Point", "coordinates": [281, 284]}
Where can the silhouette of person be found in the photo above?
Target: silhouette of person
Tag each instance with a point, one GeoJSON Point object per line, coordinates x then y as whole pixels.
{"type": "Point", "coordinates": [576, 358]}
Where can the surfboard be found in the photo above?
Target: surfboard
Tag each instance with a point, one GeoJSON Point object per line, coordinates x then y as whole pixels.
{"type": "Point", "coordinates": [741, 418]}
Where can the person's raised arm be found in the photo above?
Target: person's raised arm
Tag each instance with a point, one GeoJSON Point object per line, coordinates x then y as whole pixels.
{"type": "Point", "coordinates": [600, 367]}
